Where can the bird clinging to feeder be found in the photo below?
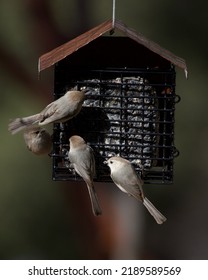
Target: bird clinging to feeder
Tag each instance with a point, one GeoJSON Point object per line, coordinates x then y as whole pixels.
{"type": "Point", "coordinates": [127, 180]}
{"type": "Point", "coordinates": [60, 110]}
{"type": "Point", "coordinates": [82, 158]}
{"type": "Point", "coordinates": [38, 140]}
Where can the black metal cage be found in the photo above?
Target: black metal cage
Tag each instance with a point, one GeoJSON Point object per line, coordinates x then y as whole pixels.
{"type": "Point", "coordinates": [128, 111]}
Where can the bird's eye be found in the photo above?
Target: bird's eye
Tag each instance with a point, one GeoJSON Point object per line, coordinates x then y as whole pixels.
{"type": "Point", "coordinates": [36, 132]}
{"type": "Point", "coordinates": [111, 162]}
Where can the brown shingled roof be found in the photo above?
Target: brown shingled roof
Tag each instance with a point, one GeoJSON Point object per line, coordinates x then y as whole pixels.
{"type": "Point", "coordinates": [59, 53]}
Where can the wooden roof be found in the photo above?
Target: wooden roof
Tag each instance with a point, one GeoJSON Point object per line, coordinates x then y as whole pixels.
{"type": "Point", "coordinates": [59, 53]}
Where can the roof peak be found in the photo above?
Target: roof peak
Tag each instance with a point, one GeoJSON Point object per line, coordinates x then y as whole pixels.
{"type": "Point", "coordinates": [50, 58]}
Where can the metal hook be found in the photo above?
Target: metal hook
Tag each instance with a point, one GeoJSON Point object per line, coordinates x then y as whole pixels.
{"type": "Point", "coordinates": [177, 99]}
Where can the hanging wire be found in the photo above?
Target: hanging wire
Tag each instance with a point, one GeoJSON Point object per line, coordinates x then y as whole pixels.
{"type": "Point", "coordinates": [113, 15]}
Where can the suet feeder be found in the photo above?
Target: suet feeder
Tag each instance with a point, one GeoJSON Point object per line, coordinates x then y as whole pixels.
{"type": "Point", "coordinates": [130, 106]}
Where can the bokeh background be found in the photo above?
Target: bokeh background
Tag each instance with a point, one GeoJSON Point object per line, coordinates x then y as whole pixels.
{"type": "Point", "coordinates": [42, 219]}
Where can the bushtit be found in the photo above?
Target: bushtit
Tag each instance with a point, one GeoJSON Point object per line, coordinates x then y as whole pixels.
{"type": "Point", "coordinates": [60, 110]}
{"type": "Point", "coordinates": [38, 140]}
{"type": "Point", "coordinates": [127, 180]}
{"type": "Point", "coordinates": [82, 159]}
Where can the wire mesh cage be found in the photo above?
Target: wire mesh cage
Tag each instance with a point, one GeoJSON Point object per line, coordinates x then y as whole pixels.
{"type": "Point", "coordinates": [128, 111]}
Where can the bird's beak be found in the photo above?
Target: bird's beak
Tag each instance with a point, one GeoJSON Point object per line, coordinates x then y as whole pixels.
{"type": "Point", "coordinates": [105, 162]}
{"type": "Point", "coordinates": [86, 91]}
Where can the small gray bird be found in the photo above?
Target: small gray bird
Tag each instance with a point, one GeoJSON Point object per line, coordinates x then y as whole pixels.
{"type": "Point", "coordinates": [60, 110]}
{"type": "Point", "coordinates": [38, 140]}
{"type": "Point", "coordinates": [127, 180]}
{"type": "Point", "coordinates": [82, 159]}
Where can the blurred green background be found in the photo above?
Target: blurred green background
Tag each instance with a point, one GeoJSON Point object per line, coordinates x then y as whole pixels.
{"type": "Point", "coordinates": [42, 219]}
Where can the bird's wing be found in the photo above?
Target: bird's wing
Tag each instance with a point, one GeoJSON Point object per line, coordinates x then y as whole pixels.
{"type": "Point", "coordinates": [92, 161]}
{"type": "Point", "coordinates": [84, 166]}
{"type": "Point", "coordinates": [49, 111]}
{"type": "Point", "coordinates": [130, 183]}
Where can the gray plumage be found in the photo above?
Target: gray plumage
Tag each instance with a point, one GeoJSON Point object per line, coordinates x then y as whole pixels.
{"type": "Point", "coordinates": [82, 158]}
{"type": "Point", "coordinates": [60, 110]}
{"type": "Point", "coordinates": [127, 180]}
{"type": "Point", "coordinates": [38, 140]}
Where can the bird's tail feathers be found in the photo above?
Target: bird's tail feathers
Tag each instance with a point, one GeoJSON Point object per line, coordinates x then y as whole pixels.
{"type": "Point", "coordinates": [94, 200]}
{"type": "Point", "coordinates": [19, 124]}
{"type": "Point", "coordinates": [154, 212]}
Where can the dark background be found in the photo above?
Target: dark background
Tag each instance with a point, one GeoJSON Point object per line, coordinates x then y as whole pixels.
{"type": "Point", "coordinates": [42, 219]}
